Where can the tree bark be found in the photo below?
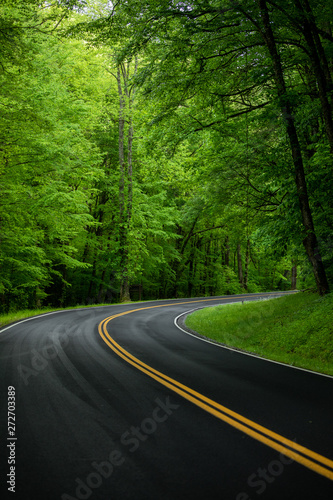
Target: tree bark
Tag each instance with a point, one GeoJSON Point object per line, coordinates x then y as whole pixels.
{"type": "Point", "coordinates": [129, 170]}
{"type": "Point", "coordinates": [239, 265]}
{"type": "Point", "coordinates": [227, 252]}
{"type": "Point", "coordinates": [101, 291]}
{"type": "Point", "coordinates": [294, 277]}
{"type": "Point", "coordinates": [319, 64]}
{"type": "Point", "coordinates": [310, 240]}
{"type": "Point", "coordinates": [126, 92]}
{"type": "Point", "coordinates": [124, 285]}
{"type": "Point", "coordinates": [247, 262]}
{"type": "Point", "coordinates": [130, 93]}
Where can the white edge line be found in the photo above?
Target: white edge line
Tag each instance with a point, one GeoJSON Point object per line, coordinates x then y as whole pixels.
{"type": "Point", "coordinates": [42, 315]}
{"type": "Point", "coordinates": [180, 328]}
{"type": "Point", "coordinates": [37, 316]}
{"type": "Point", "coordinates": [28, 319]}
{"type": "Point", "coordinates": [238, 350]}
{"type": "Point", "coordinates": [82, 309]}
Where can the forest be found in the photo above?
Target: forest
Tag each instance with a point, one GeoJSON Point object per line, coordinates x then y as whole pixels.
{"type": "Point", "coordinates": [163, 148]}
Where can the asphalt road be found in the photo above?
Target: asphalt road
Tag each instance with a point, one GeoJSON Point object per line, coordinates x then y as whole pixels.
{"type": "Point", "coordinates": [116, 405]}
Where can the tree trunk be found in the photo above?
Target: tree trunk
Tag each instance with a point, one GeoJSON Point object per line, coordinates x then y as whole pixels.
{"type": "Point", "coordinates": [191, 271]}
{"type": "Point", "coordinates": [206, 267]}
{"type": "Point", "coordinates": [227, 252]}
{"type": "Point", "coordinates": [294, 277]}
{"type": "Point", "coordinates": [124, 285]}
{"type": "Point", "coordinates": [178, 266]}
{"type": "Point", "coordinates": [125, 91]}
{"type": "Point", "coordinates": [310, 240]}
{"type": "Point", "coordinates": [129, 171]}
{"type": "Point", "coordinates": [318, 60]}
{"type": "Point", "coordinates": [239, 265]}
{"type": "Point", "coordinates": [101, 291]}
{"type": "Point", "coordinates": [130, 93]}
{"type": "Point", "coordinates": [121, 149]}
{"type": "Point", "coordinates": [320, 49]}
{"type": "Point", "coordinates": [124, 288]}
{"type": "Point", "coordinates": [91, 282]}
{"type": "Point", "coordinates": [247, 262]}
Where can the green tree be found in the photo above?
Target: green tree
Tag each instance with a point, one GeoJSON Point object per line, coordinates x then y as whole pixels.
{"type": "Point", "coordinates": [233, 47]}
{"type": "Point", "coordinates": [48, 167]}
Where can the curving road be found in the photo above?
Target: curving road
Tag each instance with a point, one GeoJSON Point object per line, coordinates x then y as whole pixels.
{"type": "Point", "coordinates": [117, 403]}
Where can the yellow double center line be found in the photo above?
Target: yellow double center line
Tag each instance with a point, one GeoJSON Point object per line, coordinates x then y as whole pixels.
{"type": "Point", "coordinates": [300, 454]}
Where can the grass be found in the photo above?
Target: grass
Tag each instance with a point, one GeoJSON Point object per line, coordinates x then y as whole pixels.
{"type": "Point", "coordinates": [295, 329]}
{"type": "Point", "coordinates": [7, 319]}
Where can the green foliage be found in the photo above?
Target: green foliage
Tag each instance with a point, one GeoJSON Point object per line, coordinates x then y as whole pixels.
{"type": "Point", "coordinates": [49, 166]}
{"type": "Point", "coordinates": [209, 203]}
{"type": "Point", "coordinates": [296, 329]}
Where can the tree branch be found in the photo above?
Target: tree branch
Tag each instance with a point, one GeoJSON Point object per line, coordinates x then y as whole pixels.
{"type": "Point", "coordinates": [208, 229]}
{"type": "Point", "coordinates": [244, 111]}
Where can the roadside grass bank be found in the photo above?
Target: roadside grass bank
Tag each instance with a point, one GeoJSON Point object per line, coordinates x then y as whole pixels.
{"type": "Point", "coordinates": [296, 329]}
{"type": "Point", "coordinates": [7, 319]}
{"type": "Point", "coordinates": [12, 317]}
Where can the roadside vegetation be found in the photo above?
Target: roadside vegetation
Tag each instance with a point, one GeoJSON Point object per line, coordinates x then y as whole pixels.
{"type": "Point", "coordinates": [12, 317]}
{"type": "Point", "coordinates": [295, 329]}
{"type": "Point", "coordinates": [164, 149]}
{"type": "Point", "coordinates": [7, 319]}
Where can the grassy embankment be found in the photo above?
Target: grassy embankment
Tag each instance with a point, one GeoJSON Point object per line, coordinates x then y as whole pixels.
{"type": "Point", "coordinates": [295, 329]}
{"type": "Point", "coordinates": [7, 319]}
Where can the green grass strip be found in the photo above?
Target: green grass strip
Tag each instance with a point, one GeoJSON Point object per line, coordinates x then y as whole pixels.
{"type": "Point", "coordinates": [12, 317]}
{"type": "Point", "coordinates": [295, 329]}
{"type": "Point", "coordinates": [7, 319]}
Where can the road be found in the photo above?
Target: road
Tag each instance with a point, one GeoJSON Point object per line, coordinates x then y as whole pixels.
{"type": "Point", "coordinates": [117, 403]}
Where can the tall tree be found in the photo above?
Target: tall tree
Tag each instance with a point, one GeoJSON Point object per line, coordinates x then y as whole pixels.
{"type": "Point", "coordinates": [126, 92]}
{"type": "Point", "coordinates": [310, 240]}
{"type": "Point", "coordinates": [221, 38]}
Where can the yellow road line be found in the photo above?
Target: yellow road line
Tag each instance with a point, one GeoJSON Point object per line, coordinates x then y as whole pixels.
{"type": "Point", "coordinates": [234, 419]}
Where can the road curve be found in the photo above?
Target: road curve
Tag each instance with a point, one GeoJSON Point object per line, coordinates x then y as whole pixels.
{"type": "Point", "coordinates": [115, 402]}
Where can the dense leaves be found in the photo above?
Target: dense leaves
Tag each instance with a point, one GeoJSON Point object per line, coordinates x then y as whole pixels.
{"type": "Point", "coordinates": [163, 148]}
